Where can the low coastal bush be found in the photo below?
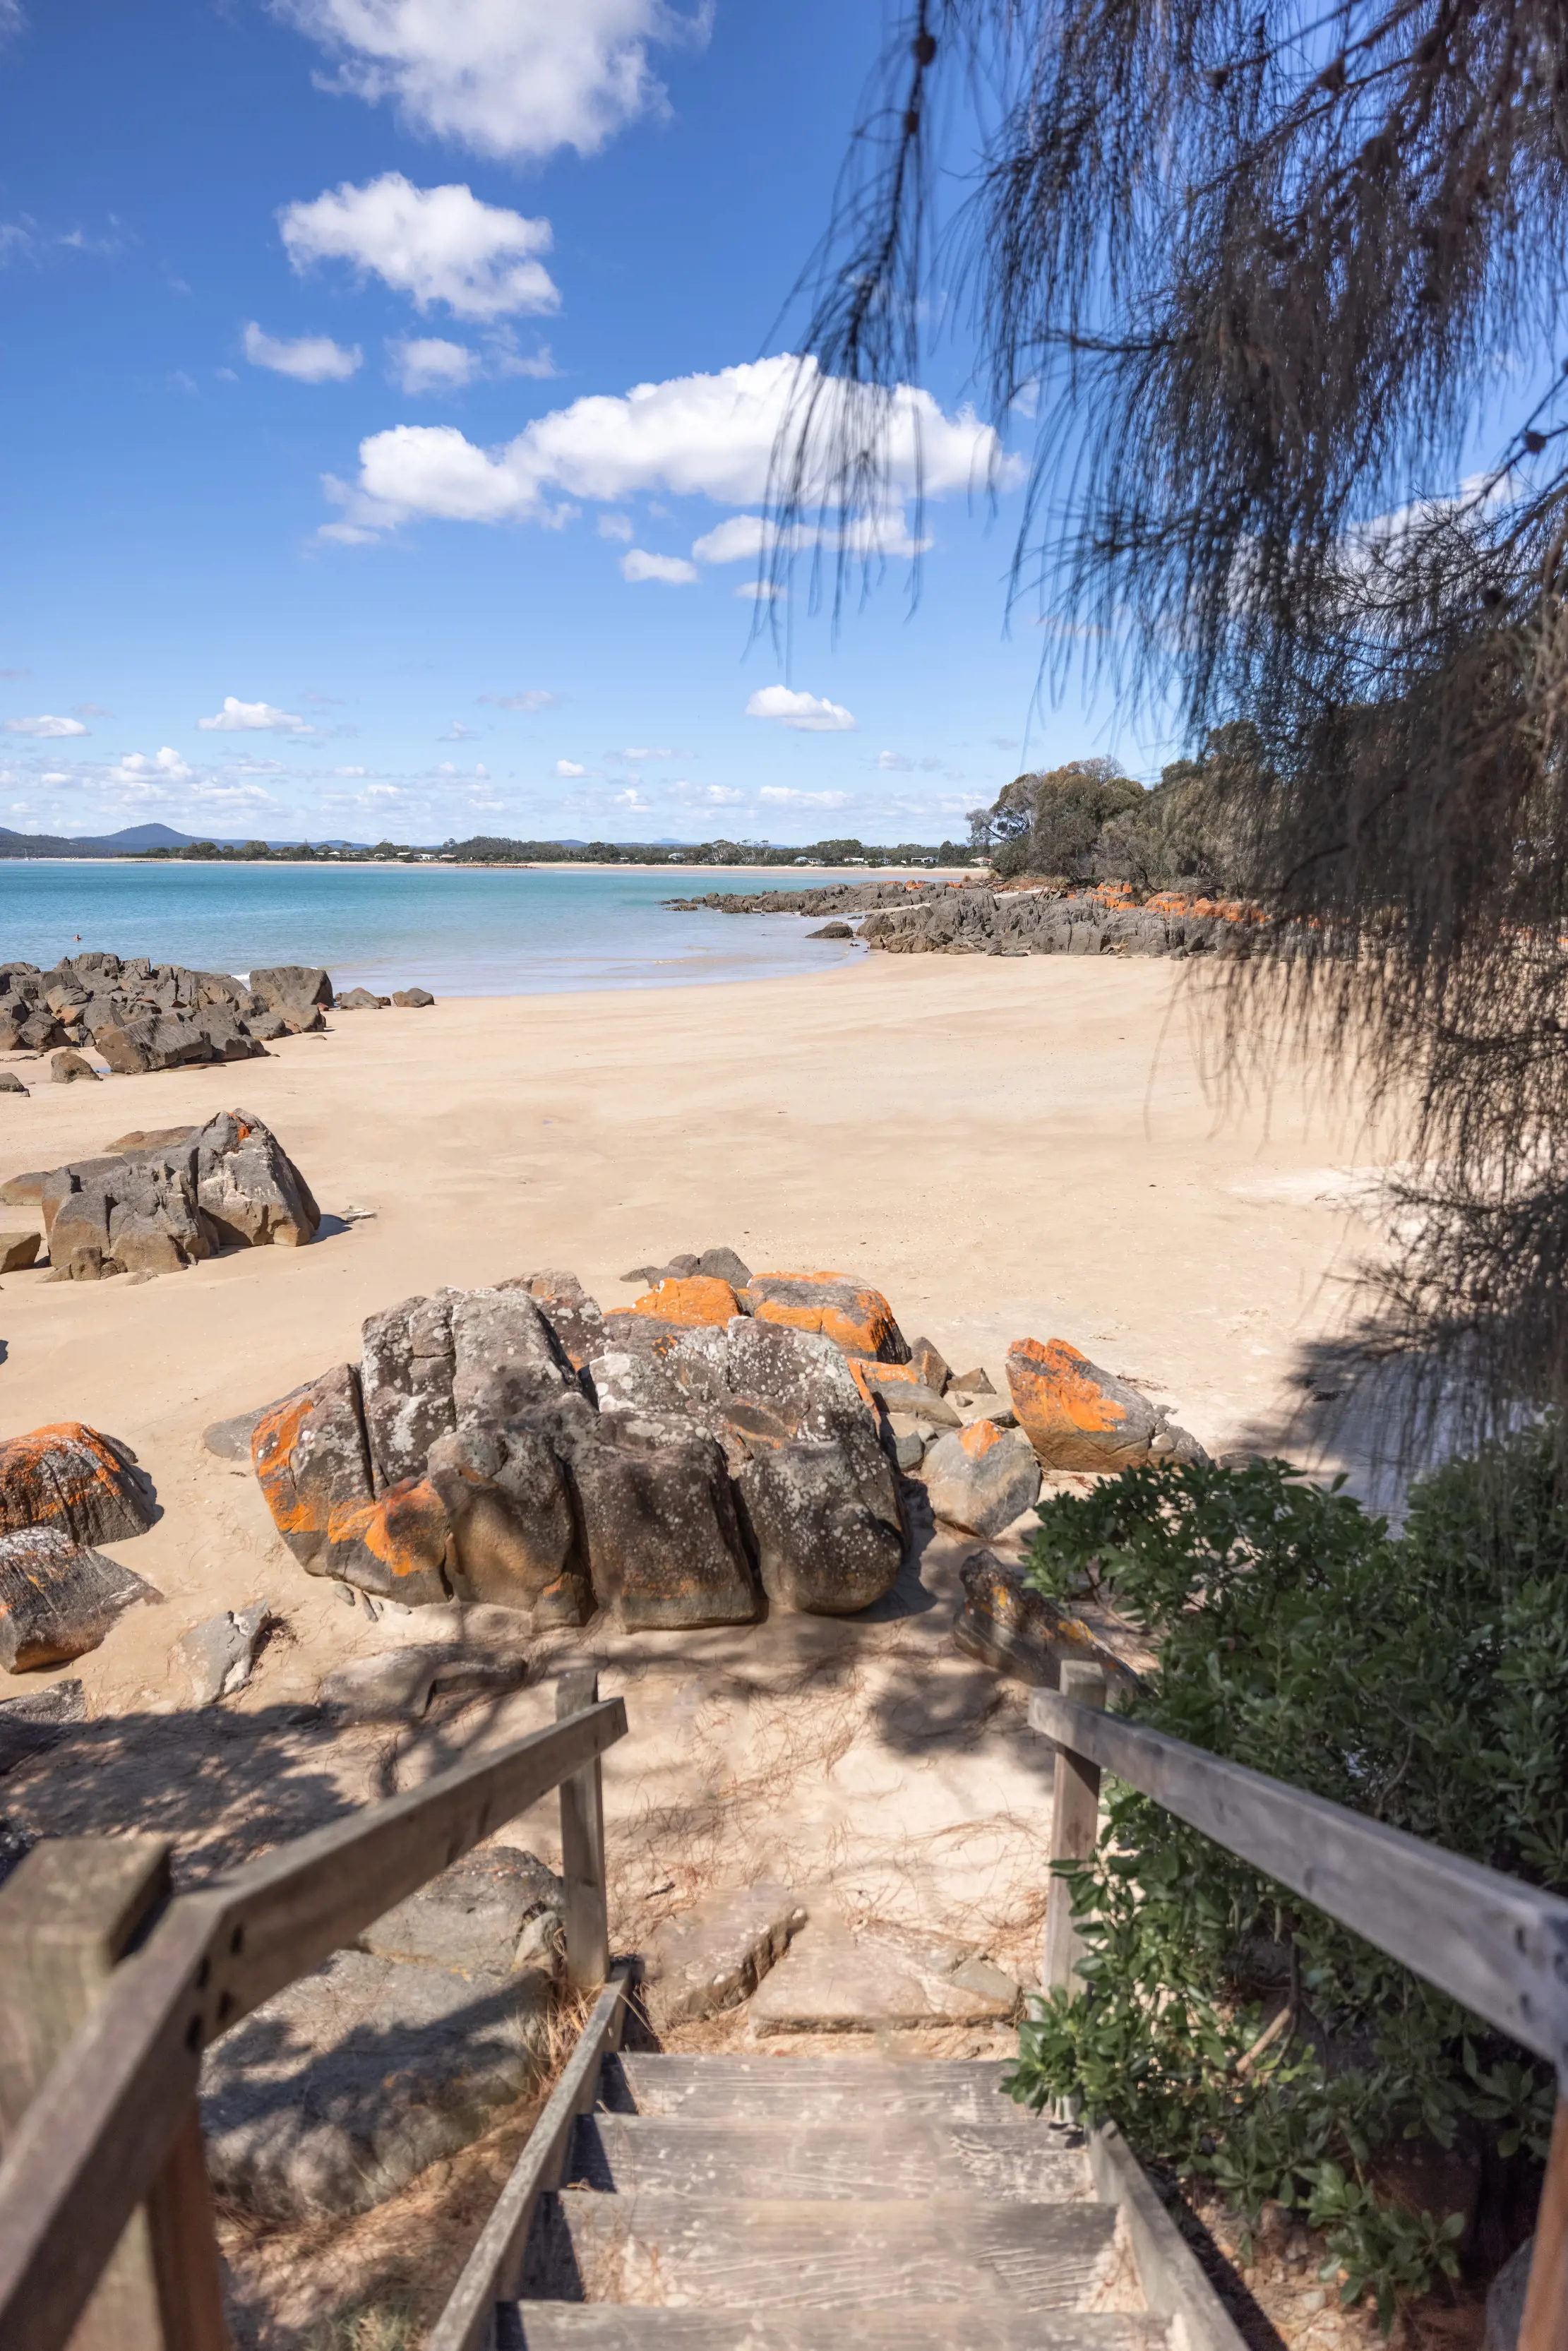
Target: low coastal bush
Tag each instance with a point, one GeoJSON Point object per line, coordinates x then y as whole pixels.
{"type": "Point", "coordinates": [1419, 1677]}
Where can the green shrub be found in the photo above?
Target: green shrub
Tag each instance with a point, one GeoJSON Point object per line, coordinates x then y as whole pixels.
{"type": "Point", "coordinates": [1419, 1677]}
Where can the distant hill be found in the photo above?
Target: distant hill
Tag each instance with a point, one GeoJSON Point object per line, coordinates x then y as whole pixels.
{"type": "Point", "coordinates": [127, 841]}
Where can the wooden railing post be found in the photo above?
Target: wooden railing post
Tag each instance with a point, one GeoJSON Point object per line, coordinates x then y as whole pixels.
{"type": "Point", "coordinates": [583, 1848]}
{"type": "Point", "coordinates": [1074, 1827]}
{"type": "Point", "coordinates": [1544, 2325]}
{"type": "Point", "coordinates": [68, 1915]}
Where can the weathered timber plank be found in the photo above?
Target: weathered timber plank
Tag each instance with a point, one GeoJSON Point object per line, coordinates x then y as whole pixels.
{"type": "Point", "coordinates": [1074, 1829]}
{"type": "Point", "coordinates": [1498, 1946]}
{"type": "Point", "coordinates": [85, 2154]}
{"type": "Point", "coordinates": [902, 2156]}
{"type": "Point", "coordinates": [720, 2253]}
{"type": "Point", "coordinates": [582, 1847]}
{"type": "Point", "coordinates": [1169, 2275]}
{"type": "Point", "coordinates": [1544, 2325]}
{"type": "Point", "coordinates": [491, 2273]}
{"type": "Point", "coordinates": [812, 2089]}
{"type": "Point", "coordinates": [995, 2325]}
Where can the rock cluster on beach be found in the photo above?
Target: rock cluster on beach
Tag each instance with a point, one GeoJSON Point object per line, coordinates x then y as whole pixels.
{"type": "Point", "coordinates": [156, 1202]}
{"type": "Point", "coordinates": [138, 1015]}
{"type": "Point", "coordinates": [975, 918]}
{"type": "Point", "coordinates": [64, 1489]}
{"type": "Point", "coordinates": [728, 1441]}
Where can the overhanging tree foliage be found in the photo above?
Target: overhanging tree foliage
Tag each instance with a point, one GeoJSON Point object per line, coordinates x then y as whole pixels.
{"type": "Point", "coordinates": [1283, 288]}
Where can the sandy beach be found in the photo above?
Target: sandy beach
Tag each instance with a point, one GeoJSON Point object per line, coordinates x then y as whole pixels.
{"type": "Point", "coordinates": [1006, 1148]}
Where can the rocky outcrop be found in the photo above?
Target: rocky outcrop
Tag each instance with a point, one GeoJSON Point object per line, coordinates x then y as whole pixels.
{"type": "Point", "coordinates": [713, 1958]}
{"type": "Point", "coordinates": [75, 1481]}
{"type": "Point", "coordinates": [58, 1599]}
{"type": "Point", "coordinates": [674, 1476]}
{"type": "Point", "coordinates": [1078, 1418]}
{"type": "Point", "coordinates": [975, 917]}
{"type": "Point", "coordinates": [981, 1477]}
{"type": "Point", "coordinates": [155, 1209]}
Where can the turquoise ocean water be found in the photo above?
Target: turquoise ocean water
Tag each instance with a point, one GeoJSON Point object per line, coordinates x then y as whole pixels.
{"type": "Point", "coordinates": [475, 932]}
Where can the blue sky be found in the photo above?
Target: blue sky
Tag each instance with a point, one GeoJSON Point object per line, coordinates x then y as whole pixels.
{"type": "Point", "coordinates": [326, 505]}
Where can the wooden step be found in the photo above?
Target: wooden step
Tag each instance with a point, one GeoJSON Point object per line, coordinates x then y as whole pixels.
{"type": "Point", "coordinates": [912, 2156]}
{"type": "Point", "coordinates": [949, 2326]}
{"type": "Point", "coordinates": [812, 2089]}
{"type": "Point", "coordinates": [712, 2253]}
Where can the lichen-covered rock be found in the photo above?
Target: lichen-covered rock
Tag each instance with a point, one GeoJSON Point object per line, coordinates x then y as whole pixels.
{"type": "Point", "coordinates": [829, 1538]}
{"type": "Point", "coordinates": [853, 1315]}
{"type": "Point", "coordinates": [171, 1203]}
{"type": "Point", "coordinates": [1019, 1631]}
{"type": "Point", "coordinates": [697, 1299]}
{"type": "Point", "coordinates": [1076, 1416]}
{"type": "Point", "coordinates": [665, 1548]}
{"type": "Point", "coordinates": [572, 1315]}
{"type": "Point", "coordinates": [903, 1389]}
{"type": "Point", "coordinates": [433, 1363]}
{"type": "Point", "coordinates": [75, 1480]}
{"type": "Point", "coordinates": [58, 1599]}
{"type": "Point", "coordinates": [312, 1464]}
{"type": "Point", "coordinates": [981, 1477]}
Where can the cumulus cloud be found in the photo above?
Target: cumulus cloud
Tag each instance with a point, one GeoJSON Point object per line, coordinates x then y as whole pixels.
{"type": "Point", "coordinates": [614, 526]}
{"type": "Point", "coordinates": [435, 245]}
{"type": "Point", "coordinates": [704, 795]}
{"type": "Point", "coordinates": [238, 718]}
{"type": "Point", "coordinates": [569, 767]}
{"type": "Point", "coordinates": [742, 538]}
{"type": "Point", "coordinates": [780, 795]}
{"type": "Point", "coordinates": [533, 697]}
{"type": "Point", "coordinates": [505, 77]}
{"type": "Point", "coordinates": [430, 363]}
{"type": "Point", "coordinates": [46, 726]}
{"type": "Point", "coordinates": [164, 767]}
{"type": "Point", "coordinates": [673, 569]}
{"type": "Point", "coordinates": [309, 358]}
{"type": "Point", "coordinates": [807, 712]}
{"type": "Point", "coordinates": [705, 436]}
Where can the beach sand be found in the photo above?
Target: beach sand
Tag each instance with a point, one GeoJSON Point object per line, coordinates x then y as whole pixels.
{"type": "Point", "coordinates": [1008, 1148]}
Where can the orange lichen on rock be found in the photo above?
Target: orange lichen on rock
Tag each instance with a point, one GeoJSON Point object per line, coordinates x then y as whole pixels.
{"type": "Point", "coordinates": [69, 1475]}
{"type": "Point", "coordinates": [700, 1298]}
{"type": "Point", "coordinates": [1076, 1416]}
{"type": "Point", "coordinates": [853, 1316]}
{"type": "Point", "coordinates": [979, 1437]}
{"type": "Point", "coordinates": [406, 1531]}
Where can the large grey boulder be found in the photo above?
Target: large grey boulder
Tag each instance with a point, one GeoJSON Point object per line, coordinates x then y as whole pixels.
{"type": "Point", "coordinates": [292, 988]}
{"type": "Point", "coordinates": [249, 1189]}
{"type": "Point", "coordinates": [331, 2096]}
{"type": "Point", "coordinates": [432, 1363]}
{"type": "Point", "coordinates": [508, 1499]}
{"type": "Point", "coordinates": [155, 1209]}
{"type": "Point", "coordinates": [665, 1548]}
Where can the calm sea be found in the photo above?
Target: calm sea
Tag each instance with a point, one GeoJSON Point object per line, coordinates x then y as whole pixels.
{"type": "Point", "coordinates": [458, 933]}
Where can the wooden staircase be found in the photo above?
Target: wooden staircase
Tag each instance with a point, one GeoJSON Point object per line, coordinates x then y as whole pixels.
{"type": "Point", "coordinates": [722, 2203]}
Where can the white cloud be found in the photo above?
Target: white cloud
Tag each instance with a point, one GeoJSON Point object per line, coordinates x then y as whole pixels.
{"type": "Point", "coordinates": [761, 592]}
{"type": "Point", "coordinates": [506, 77]}
{"type": "Point", "coordinates": [742, 538]}
{"type": "Point", "coordinates": [164, 767]}
{"type": "Point", "coordinates": [429, 363]}
{"type": "Point", "coordinates": [435, 245]}
{"type": "Point", "coordinates": [704, 795]}
{"type": "Point", "coordinates": [459, 733]}
{"type": "Point", "coordinates": [534, 697]}
{"type": "Point", "coordinates": [640, 752]}
{"type": "Point", "coordinates": [569, 767]}
{"type": "Point", "coordinates": [613, 526]}
{"type": "Point", "coordinates": [46, 726]}
{"type": "Point", "coordinates": [238, 718]}
{"type": "Point", "coordinates": [350, 771]}
{"type": "Point", "coordinates": [807, 712]}
{"type": "Point", "coordinates": [893, 763]}
{"type": "Point", "coordinates": [311, 358]}
{"type": "Point", "coordinates": [779, 796]}
{"type": "Point", "coordinates": [631, 800]}
{"type": "Point", "coordinates": [704, 435]}
{"type": "Point", "coordinates": [673, 569]}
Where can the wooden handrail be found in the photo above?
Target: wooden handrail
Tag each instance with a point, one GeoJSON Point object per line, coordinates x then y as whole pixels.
{"type": "Point", "coordinates": [1497, 1945]}
{"type": "Point", "coordinates": [91, 2144]}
